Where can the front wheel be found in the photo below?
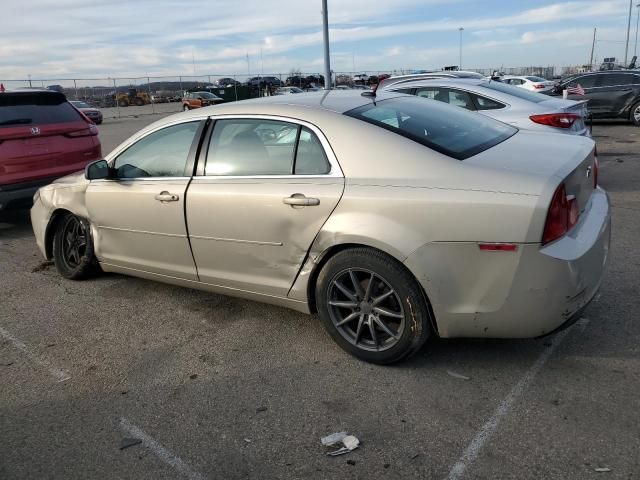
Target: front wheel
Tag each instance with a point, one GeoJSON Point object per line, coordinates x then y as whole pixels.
{"type": "Point", "coordinates": [372, 306]}
{"type": "Point", "coordinates": [185, 108]}
{"type": "Point", "coordinates": [635, 114]}
{"type": "Point", "coordinates": [73, 252]}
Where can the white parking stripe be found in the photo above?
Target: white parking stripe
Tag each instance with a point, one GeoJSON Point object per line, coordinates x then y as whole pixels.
{"type": "Point", "coordinates": [488, 429]}
{"type": "Point", "coordinates": [161, 452]}
{"type": "Point", "coordinates": [59, 375]}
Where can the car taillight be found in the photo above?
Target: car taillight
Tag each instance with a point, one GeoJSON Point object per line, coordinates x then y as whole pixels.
{"type": "Point", "coordinates": [85, 132]}
{"type": "Point", "coordinates": [563, 214]}
{"type": "Point", "coordinates": [538, 86]}
{"type": "Point", "coordinates": [558, 120]}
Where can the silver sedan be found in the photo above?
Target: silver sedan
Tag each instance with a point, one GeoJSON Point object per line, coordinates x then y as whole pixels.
{"type": "Point", "coordinates": [394, 218]}
{"type": "Point", "coordinates": [509, 104]}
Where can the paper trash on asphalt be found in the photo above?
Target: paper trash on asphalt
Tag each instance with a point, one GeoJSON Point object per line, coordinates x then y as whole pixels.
{"type": "Point", "coordinates": [340, 442]}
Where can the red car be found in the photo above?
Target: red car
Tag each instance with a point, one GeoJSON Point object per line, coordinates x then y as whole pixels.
{"type": "Point", "coordinates": [42, 137]}
{"type": "Point", "coordinates": [199, 99]}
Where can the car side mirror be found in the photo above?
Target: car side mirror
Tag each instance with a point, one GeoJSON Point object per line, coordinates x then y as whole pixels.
{"type": "Point", "coordinates": [97, 170]}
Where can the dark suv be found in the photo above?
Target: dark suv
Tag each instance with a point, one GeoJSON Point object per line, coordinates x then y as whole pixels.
{"type": "Point", "coordinates": [262, 82]}
{"type": "Point", "coordinates": [611, 94]}
{"type": "Point", "coordinates": [42, 137]}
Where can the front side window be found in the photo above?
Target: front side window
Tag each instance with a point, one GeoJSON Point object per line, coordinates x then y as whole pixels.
{"type": "Point", "coordinates": [616, 79]}
{"type": "Point", "coordinates": [452, 131]}
{"type": "Point", "coordinates": [163, 153]}
{"type": "Point", "coordinates": [587, 81]}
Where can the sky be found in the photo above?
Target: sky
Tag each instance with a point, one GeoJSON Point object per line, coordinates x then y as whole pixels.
{"type": "Point", "coordinates": [52, 39]}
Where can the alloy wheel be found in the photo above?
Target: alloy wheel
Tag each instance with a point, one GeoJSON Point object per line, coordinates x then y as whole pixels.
{"type": "Point", "coordinates": [74, 242]}
{"type": "Point", "coordinates": [365, 309]}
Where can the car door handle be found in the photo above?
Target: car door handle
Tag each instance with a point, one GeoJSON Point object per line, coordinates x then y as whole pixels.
{"type": "Point", "coordinates": [167, 197]}
{"type": "Point", "coordinates": [299, 200]}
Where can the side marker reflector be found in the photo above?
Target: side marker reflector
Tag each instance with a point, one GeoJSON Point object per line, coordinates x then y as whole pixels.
{"type": "Point", "coordinates": [498, 247]}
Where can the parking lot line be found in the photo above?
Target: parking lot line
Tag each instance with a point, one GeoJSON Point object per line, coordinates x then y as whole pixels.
{"type": "Point", "coordinates": [491, 425]}
{"type": "Point", "coordinates": [58, 374]}
{"type": "Point", "coordinates": [161, 452]}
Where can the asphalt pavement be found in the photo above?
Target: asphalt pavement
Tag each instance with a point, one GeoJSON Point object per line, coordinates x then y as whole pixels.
{"type": "Point", "coordinates": [124, 378]}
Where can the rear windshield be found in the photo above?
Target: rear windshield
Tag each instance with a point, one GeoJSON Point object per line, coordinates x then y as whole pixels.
{"type": "Point", "coordinates": [515, 91]}
{"type": "Point", "coordinates": [535, 79]}
{"type": "Point", "coordinates": [35, 109]}
{"type": "Point", "coordinates": [450, 130]}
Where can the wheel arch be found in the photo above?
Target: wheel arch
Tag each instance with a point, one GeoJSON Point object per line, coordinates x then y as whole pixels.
{"type": "Point", "coordinates": [322, 259]}
{"type": "Point", "coordinates": [55, 218]}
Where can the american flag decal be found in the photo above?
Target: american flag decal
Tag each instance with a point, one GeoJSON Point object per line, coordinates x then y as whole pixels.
{"type": "Point", "coordinates": [577, 90]}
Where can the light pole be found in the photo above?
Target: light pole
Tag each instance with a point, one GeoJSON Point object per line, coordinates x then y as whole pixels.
{"type": "Point", "coordinates": [635, 48]}
{"type": "Point", "coordinates": [460, 62]}
{"type": "Point", "coordinates": [325, 37]}
{"type": "Point", "coordinates": [626, 49]}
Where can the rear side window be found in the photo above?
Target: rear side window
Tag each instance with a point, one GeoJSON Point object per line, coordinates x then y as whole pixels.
{"type": "Point", "coordinates": [35, 109]}
{"type": "Point", "coordinates": [451, 131]}
{"type": "Point", "coordinates": [485, 103]}
{"type": "Point", "coordinates": [255, 147]}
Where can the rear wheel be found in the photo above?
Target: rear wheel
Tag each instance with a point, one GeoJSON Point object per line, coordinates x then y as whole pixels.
{"type": "Point", "coordinates": [635, 114]}
{"type": "Point", "coordinates": [123, 103]}
{"type": "Point", "coordinates": [138, 102]}
{"type": "Point", "coordinates": [372, 306]}
{"type": "Point", "coordinates": [185, 108]}
{"type": "Point", "coordinates": [73, 249]}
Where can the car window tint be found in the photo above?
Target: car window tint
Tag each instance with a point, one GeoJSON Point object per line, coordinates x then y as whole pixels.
{"type": "Point", "coordinates": [460, 99]}
{"type": "Point", "coordinates": [160, 154]}
{"type": "Point", "coordinates": [251, 147]}
{"type": "Point", "coordinates": [616, 79]}
{"type": "Point", "coordinates": [586, 81]}
{"type": "Point", "coordinates": [452, 131]}
{"type": "Point", "coordinates": [310, 156]}
{"type": "Point", "coordinates": [484, 103]}
{"type": "Point", "coordinates": [35, 109]}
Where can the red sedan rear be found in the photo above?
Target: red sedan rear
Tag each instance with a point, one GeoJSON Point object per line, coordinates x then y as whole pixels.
{"type": "Point", "coordinates": [42, 137]}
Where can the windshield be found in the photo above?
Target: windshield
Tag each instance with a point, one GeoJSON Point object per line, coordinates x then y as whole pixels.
{"type": "Point", "coordinates": [535, 79]}
{"type": "Point", "coordinates": [36, 108]}
{"type": "Point", "coordinates": [207, 95]}
{"type": "Point", "coordinates": [452, 131]}
{"type": "Point", "coordinates": [515, 91]}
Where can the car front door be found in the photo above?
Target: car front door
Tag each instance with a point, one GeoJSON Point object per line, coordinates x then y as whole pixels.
{"type": "Point", "coordinates": [138, 215]}
{"type": "Point", "coordinates": [616, 93]}
{"type": "Point", "coordinates": [597, 100]}
{"type": "Point", "coordinates": [256, 205]}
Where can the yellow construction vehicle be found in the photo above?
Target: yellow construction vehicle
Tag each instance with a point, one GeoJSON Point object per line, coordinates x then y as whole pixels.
{"type": "Point", "coordinates": [132, 97]}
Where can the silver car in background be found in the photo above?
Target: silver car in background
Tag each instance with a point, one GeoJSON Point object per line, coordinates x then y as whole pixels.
{"type": "Point", "coordinates": [509, 104]}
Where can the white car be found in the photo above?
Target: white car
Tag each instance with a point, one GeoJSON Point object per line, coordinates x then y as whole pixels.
{"type": "Point", "coordinates": [531, 83]}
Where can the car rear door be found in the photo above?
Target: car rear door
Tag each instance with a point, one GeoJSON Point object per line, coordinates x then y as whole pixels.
{"type": "Point", "coordinates": [264, 188]}
{"type": "Point", "coordinates": [138, 214]}
{"type": "Point", "coordinates": [43, 136]}
{"type": "Point", "coordinates": [617, 93]}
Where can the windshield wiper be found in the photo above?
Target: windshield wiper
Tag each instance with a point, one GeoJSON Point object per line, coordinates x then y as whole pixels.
{"type": "Point", "coordinates": [16, 121]}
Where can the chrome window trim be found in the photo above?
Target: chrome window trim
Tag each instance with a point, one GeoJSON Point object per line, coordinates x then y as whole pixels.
{"type": "Point", "coordinates": [335, 172]}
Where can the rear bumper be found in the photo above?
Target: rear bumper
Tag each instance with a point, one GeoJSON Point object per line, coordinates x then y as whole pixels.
{"type": "Point", "coordinates": [21, 193]}
{"type": "Point", "coordinates": [522, 294]}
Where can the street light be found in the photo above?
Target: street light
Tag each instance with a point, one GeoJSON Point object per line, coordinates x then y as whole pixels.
{"type": "Point", "coordinates": [635, 48]}
{"type": "Point", "coordinates": [626, 50]}
{"type": "Point", "coordinates": [460, 62]}
{"type": "Point", "coordinates": [325, 37]}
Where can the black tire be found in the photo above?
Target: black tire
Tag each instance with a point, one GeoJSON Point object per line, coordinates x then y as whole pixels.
{"type": "Point", "coordinates": [73, 253]}
{"type": "Point", "coordinates": [123, 103]}
{"type": "Point", "coordinates": [635, 114]}
{"type": "Point", "coordinates": [185, 108]}
{"type": "Point", "coordinates": [402, 297]}
{"type": "Point", "coordinates": [138, 102]}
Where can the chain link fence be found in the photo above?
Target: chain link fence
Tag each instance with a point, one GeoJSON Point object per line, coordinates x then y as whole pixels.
{"type": "Point", "coordinates": [122, 97]}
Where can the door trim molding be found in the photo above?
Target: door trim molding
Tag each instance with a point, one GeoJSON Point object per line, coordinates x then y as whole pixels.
{"type": "Point", "coordinates": [235, 240]}
{"type": "Point", "coordinates": [144, 232]}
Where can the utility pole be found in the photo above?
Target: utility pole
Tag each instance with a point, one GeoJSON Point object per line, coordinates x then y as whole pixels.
{"type": "Point", "coordinates": [626, 50]}
{"type": "Point", "coordinates": [593, 48]}
{"type": "Point", "coordinates": [325, 36]}
{"type": "Point", "coordinates": [460, 62]}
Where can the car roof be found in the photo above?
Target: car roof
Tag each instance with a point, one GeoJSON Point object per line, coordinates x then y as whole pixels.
{"type": "Point", "coordinates": [459, 75]}
{"type": "Point", "coordinates": [424, 81]}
